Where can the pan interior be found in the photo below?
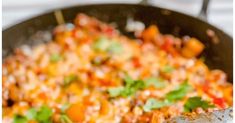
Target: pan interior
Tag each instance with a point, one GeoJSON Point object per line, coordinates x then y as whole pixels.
{"type": "Point", "coordinates": [37, 30]}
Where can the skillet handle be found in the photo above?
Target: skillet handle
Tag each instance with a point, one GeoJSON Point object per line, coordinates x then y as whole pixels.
{"type": "Point", "coordinates": [203, 12]}
{"type": "Point", "coordinates": [143, 2]}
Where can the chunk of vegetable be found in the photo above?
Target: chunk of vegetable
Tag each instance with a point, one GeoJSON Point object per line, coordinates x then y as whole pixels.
{"type": "Point", "coordinates": [105, 107]}
{"type": "Point", "coordinates": [192, 48]}
{"type": "Point", "coordinates": [76, 112]}
{"type": "Point", "coordinates": [150, 34]}
{"type": "Point", "coordinates": [219, 101]}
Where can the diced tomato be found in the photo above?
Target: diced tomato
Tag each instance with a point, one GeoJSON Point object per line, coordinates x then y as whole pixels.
{"type": "Point", "coordinates": [128, 118]}
{"type": "Point", "coordinates": [205, 87]}
{"type": "Point", "coordinates": [42, 95]}
{"type": "Point", "coordinates": [79, 35]}
{"type": "Point", "coordinates": [219, 101]}
{"type": "Point", "coordinates": [145, 118]}
{"type": "Point", "coordinates": [168, 46]}
{"type": "Point", "coordinates": [109, 31]}
{"type": "Point", "coordinates": [216, 100]}
{"type": "Point", "coordinates": [168, 43]}
{"type": "Point", "coordinates": [136, 62]}
{"type": "Point", "coordinates": [105, 82]}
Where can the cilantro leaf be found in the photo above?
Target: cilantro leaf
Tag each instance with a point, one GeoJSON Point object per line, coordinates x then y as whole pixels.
{"type": "Point", "coordinates": [178, 93]}
{"type": "Point", "coordinates": [101, 44]}
{"type": "Point", "coordinates": [195, 102]}
{"type": "Point", "coordinates": [152, 103]}
{"type": "Point", "coordinates": [131, 86]}
{"type": "Point", "coordinates": [31, 113]}
{"type": "Point", "coordinates": [65, 119]}
{"type": "Point", "coordinates": [138, 84]}
{"type": "Point", "coordinates": [44, 114]}
{"type": "Point", "coordinates": [115, 47]}
{"type": "Point", "coordinates": [167, 69]}
{"type": "Point", "coordinates": [128, 80]}
{"type": "Point", "coordinates": [69, 79]}
{"type": "Point", "coordinates": [113, 92]}
{"type": "Point", "coordinates": [104, 44]}
{"type": "Point", "coordinates": [19, 119]}
{"type": "Point", "coordinates": [156, 82]}
{"type": "Point", "coordinates": [130, 89]}
{"type": "Point", "coordinates": [55, 58]}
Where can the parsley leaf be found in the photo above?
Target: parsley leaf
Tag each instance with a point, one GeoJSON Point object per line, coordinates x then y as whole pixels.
{"type": "Point", "coordinates": [195, 102]}
{"type": "Point", "coordinates": [55, 58]}
{"type": "Point", "coordinates": [156, 82]}
{"type": "Point", "coordinates": [20, 119]}
{"type": "Point", "coordinates": [179, 93]}
{"type": "Point", "coordinates": [152, 103]}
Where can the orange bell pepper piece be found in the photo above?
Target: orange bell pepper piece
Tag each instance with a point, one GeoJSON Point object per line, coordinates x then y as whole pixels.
{"type": "Point", "coordinates": [76, 112]}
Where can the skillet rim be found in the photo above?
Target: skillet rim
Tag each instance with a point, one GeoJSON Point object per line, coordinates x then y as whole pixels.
{"type": "Point", "coordinates": [14, 25]}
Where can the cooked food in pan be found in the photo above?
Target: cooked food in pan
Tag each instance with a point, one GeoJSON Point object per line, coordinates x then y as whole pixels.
{"type": "Point", "coordinates": [91, 73]}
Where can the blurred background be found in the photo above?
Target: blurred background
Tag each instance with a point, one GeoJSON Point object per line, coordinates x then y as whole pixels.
{"type": "Point", "coordinates": [220, 12]}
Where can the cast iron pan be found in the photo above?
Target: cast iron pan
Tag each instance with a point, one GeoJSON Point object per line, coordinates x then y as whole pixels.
{"type": "Point", "coordinates": [217, 55]}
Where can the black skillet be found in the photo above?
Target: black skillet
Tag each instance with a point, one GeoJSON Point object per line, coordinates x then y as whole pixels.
{"type": "Point", "coordinates": [219, 48]}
